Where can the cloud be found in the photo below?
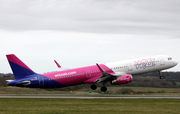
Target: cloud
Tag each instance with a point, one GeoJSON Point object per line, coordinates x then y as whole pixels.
{"type": "Point", "coordinates": [83, 32]}
{"type": "Point", "coordinates": [94, 16]}
{"type": "Point", "coordinates": [38, 49]}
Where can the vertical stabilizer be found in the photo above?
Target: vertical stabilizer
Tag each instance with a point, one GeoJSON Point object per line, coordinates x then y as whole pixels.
{"type": "Point", "coordinates": [20, 70]}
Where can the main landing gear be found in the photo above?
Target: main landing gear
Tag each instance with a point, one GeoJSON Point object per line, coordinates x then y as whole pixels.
{"type": "Point", "coordinates": [160, 75]}
{"type": "Point", "coordinates": [93, 87]}
{"type": "Point", "coordinates": [103, 88]}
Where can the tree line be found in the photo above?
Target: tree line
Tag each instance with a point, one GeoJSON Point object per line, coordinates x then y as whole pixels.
{"type": "Point", "coordinates": [171, 80]}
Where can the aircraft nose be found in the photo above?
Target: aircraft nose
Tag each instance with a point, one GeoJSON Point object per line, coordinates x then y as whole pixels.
{"type": "Point", "coordinates": [175, 62]}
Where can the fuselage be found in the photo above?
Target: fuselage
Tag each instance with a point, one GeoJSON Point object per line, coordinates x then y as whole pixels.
{"type": "Point", "coordinates": [143, 65]}
{"type": "Point", "coordinates": [90, 74]}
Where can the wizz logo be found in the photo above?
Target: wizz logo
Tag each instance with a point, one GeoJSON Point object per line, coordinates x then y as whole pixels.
{"type": "Point", "coordinates": [144, 63]}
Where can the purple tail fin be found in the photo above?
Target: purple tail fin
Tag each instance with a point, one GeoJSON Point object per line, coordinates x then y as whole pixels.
{"type": "Point", "coordinates": [20, 70]}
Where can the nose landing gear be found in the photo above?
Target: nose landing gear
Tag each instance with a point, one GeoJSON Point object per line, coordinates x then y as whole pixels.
{"type": "Point", "coordinates": [160, 75]}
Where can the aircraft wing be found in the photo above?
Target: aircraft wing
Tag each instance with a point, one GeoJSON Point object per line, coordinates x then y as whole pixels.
{"type": "Point", "coordinates": [107, 76]}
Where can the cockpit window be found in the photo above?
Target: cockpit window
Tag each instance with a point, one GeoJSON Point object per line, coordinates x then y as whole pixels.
{"type": "Point", "coordinates": [169, 58]}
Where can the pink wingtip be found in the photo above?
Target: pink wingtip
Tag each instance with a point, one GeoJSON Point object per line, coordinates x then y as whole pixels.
{"type": "Point", "coordinates": [57, 64]}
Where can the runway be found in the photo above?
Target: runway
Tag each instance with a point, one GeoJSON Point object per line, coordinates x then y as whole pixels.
{"type": "Point", "coordinates": [90, 96]}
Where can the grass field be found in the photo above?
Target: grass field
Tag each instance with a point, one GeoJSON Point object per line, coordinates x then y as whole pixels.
{"type": "Point", "coordinates": [88, 106]}
{"type": "Point", "coordinates": [111, 90]}
{"type": "Point", "coordinates": [157, 91]}
{"type": "Point", "coordinates": [177, 83]}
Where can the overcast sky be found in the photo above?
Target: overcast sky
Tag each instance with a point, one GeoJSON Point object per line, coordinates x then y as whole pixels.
{"type": "Point", "coordinates": [85, 32]}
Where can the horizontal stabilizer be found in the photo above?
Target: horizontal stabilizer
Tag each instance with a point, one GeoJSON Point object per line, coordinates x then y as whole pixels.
{"type": "Point", "coordinates": [24, 83]}
{"type": "Point", "coordinates": [9, 80]}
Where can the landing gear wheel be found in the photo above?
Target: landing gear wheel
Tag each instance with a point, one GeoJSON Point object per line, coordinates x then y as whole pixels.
{"type": "Point", "coordinates": [161, 77]}
{"type": "Point", "coordinates": [93, 87]}
{"type": "Point", "coordinates": [103, 89]}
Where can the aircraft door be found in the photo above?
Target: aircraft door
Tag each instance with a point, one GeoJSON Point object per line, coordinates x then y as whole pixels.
{"type": "Point", "coordinates": [41, 80]}
{"type": "Point", "coordinates": [162, 62]}
{"type": "Point", "coordinates": [88, 73]}
{"type": "Point", "coordinates": [130, 68]}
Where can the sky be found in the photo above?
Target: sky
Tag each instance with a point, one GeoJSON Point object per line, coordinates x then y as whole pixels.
{"type": "Point", "coordinates": [79, 33]}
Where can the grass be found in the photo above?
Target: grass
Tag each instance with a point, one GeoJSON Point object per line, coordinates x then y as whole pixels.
{"type": "Point", "coordinates": [157, 91]}
{"type": "Point", "coordinates": [177, 83]}
{"type": "Point", "coordinates": [19, 90]}
{"type": "Point", "coordinates": [144, 90]}
{"type": "Point", "coordinates": [87, 106]}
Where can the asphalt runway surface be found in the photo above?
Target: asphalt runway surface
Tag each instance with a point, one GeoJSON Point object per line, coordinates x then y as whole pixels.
{"type": "Point", "coordinates": [90, 96]}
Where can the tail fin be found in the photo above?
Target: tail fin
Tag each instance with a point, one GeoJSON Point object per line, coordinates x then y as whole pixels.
{"type": "Point", "coordinates": [20, 70]}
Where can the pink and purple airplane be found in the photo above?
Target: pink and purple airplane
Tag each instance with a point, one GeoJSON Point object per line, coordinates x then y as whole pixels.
{"type": "Point", "coordinates": [116, 73]}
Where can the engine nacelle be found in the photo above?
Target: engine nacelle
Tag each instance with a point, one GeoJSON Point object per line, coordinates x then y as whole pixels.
{"type": "Point", "coordinates": [122, 79]}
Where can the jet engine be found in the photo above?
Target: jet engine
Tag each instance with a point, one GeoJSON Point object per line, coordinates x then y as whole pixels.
{"type": "Point", "coordinates": [122, 80]}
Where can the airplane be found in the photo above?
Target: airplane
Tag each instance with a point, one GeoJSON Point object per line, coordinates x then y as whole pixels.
{"type": "Point", "coordinates": [115, 72]}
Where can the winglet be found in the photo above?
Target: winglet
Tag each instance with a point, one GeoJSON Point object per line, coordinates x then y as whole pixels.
{"type": "Point", "coordinates": [100, 68]}
{"type": "Point", "coordinates": [57, 64]}
{"type": "Point", "coordinates": [103, 72]}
